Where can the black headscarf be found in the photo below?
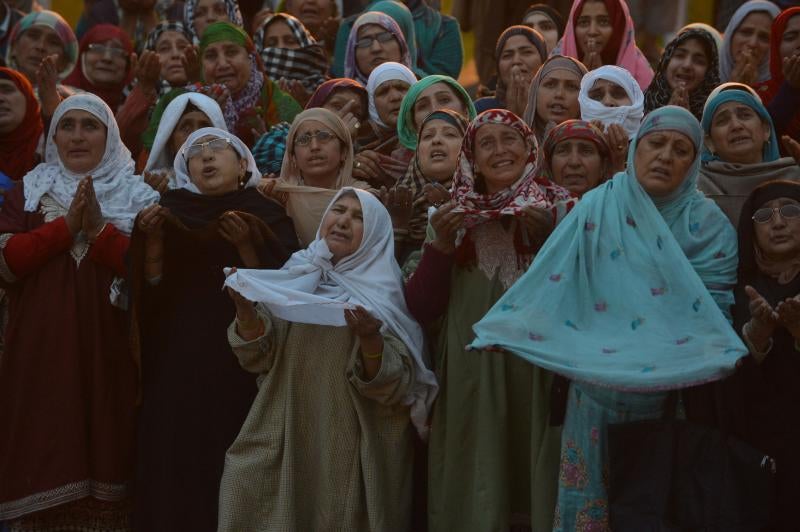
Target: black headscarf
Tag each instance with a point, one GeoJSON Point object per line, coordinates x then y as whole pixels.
{"type": "Point", "coordinates": [529, 33]}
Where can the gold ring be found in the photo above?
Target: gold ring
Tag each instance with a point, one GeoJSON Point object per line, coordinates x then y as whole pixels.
{"type": "Point", "coordinates": [358, 164]}
{"type": "Point", "coordinates": [620, 147]}
{"type": "Point", "coordinates": [358, 125]}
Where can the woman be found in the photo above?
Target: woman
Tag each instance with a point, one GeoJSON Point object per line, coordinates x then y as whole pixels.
{"type": "Point", "coordinates": [610, 95]}
{"type": "Point", "coordinates": [183, 114]}
{"type": "Point", "coordinates": [546, 21]}
{"type": "Point", "coordinates": [200, 14]}
{"type": "Point", "coordinates": [687, 72]}
{"type": "Point", "coordinates": [367, 384]}
{"type": "Point", "coordinates": [20, 125]}
{"type": "Point", "coordinates": [104, 66]}
{"type": "Point", "coordinates": [576, 156]}
{"type": "Point", "coordinates": [42, 33]}
{"type": "Point", "coordinates": [179, 252]}
{"type": "Point", "coordinates": [601, 32]}
{"type": "Point", "coordinates": [553, 96]}
{"type": "Point", "coordinates": [320, 17]}
{"type": "Point", "coordinates": [643, 260]}
{"type": "Point", "coordinates": [767, 314]}
{"type": "Point", "coordinates": [375, 39]}
{"type": "Point", "coordinates": [317, 164]}
{"type": "Point", "coordinates": [68, 397]}
{"type": "Point", "coordinates": [229, 58]}
{"type": "Point", "coordinates": [741, 149]}
{"type": "Point", "coordinates": [519, 53]}
{"type": "Point", "coordinates": [435, 162]}
{"type": "Point", "coordinates": [492, 455]}
{"type": "Point", "coordinates": [744, 56]}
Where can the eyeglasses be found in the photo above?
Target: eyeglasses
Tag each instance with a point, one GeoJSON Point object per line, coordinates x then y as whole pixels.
{"type": "Point", "coordinates": [100, 49]}
{"type": "Point", "coordinates": [323, 137]}
{"type": "Point", "coordinates": [382, 37]}
{"type": "Point", "coordinates": [762, 216]}
{"type": "Point", "coordinates": [214, 145]}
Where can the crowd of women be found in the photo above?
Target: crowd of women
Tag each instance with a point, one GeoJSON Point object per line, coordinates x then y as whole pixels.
{"type": "Point", "coordinates": [240, 293]}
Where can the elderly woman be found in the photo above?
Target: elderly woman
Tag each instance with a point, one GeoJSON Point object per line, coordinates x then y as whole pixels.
{"type": "Point", "coordinates": [575, 155]}
{"type": "Point", "coordinates": [644, 260]}
{"type": "Point", "coordinates": [20, 125]}
{"type": "Point", "coordinates": [687, 72]}
{"type": "Point", "coordinates": [200, 14]}
{"type": "Point", "coordinates": [767, 313]}
{"type": "Point", "coordinates": [214, 219]}
{"type": "Point", "coordinates": [38, 34]}
{"type": "Point", "coordinates": [744, 56]}
{"type": "Point", "coordinates": [547, 21]}
{"type": "Point", "coordinates": [553, 96]}
{"type": "Point", "coordinates": [365, 383]}
{"type": "Point", "coordinates": [68, 397]}
{"type": "Point", "coordinates": [229, 58]}
{"type": "Point", "coordinates": [493, 456]}
{"type": "Point", "coordinates": [741, 149]}
{"type": "Point", "coordinates": [170, 126]}
{"type": "Point", "coordinates": [375, 39]}
{"type": "Point", "coordinates": [519, 53]}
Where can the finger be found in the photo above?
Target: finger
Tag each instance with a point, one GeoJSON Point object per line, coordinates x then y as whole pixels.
{"type": "Point", "coordinates": [752, 293]}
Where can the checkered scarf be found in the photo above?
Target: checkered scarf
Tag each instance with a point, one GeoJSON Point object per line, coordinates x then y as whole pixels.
{"type": "Point", "coordinates": [308, 64]}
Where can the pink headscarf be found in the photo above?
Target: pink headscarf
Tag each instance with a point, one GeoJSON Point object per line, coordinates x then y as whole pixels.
{"type": "Point", "coordinates": [629, 56]}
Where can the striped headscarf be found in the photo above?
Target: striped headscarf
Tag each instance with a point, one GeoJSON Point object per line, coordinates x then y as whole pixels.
{"type": "Point", "coordinates": [54, 21]}
{"type": "Point", "coordinates": [190, 8]}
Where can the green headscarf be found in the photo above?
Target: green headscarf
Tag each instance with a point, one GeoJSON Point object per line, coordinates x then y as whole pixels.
{"type": "Point", "coordinates": [406, 131]}
{"type": "Point", "coordinates": [149, 136]}
{"type": "Point", "coordinates": [225, 31]}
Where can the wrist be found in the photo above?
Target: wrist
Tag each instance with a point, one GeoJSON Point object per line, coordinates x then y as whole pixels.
{"type": "Point", "coordinates": [443, 247]}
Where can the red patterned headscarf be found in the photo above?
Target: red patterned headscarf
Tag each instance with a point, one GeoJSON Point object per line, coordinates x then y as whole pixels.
{"type": "Point", "coordinates": [18, 147]}
{"type": "Point", "coordinates": [572, 129]}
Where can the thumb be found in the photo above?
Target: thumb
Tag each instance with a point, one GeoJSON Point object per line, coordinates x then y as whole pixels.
{"type": "Point", "coordinates": [752, 293]}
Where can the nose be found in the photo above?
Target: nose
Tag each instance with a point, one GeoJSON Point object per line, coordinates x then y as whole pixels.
{"type": "Point", "coordinates": [559, 91]}
{"type": "Point", "coordinates": [376, 45]}
{"type": "Point", "coordinates": [777, 221]}
{"type": "Point", "coordinates": [608, 101]}
{"type": "Point", "coordinates": [594, 29]}
{"type": "Point", "coordinates": [573, 160]}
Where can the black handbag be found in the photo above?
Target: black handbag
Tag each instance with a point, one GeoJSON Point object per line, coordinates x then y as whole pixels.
{"type": "Point", "coordinates": [673, 475]}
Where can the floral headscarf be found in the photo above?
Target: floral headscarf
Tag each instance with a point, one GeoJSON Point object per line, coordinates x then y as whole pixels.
{"type": "Point", "coordinates": [54, 21]}
{"type": "Point", "coordinates": [351, 69]}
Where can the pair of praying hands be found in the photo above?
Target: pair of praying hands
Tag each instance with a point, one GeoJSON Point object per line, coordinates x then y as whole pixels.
{"type": "Point", "coordinates": [617, 141]}
{"type": "Point", "coordinates": [517, 91]}
{"type": "Point", "coordinates": [764, 319]}
{"type": "Point", "coordinates": [592, 58]}
{"type": "Point", "coordinates": [147, 68]}
{"type": "Point", "coordinates": [84, 212]}
{"type": "Point", "coordinates": [399, 201]}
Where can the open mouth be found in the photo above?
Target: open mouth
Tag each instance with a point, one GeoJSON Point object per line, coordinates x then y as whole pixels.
{"type": "Point", "coordinates": [316, 159]}
{"type": "Point", "coordinates": [379, 60]}
{"type": "Point", "coordinates": [209, 171]}
{"type": "Point", "coordinates": [557, 109]}
{"type": "Point", "coordinates": [338, 235]}
{"type": "Point", "coordinates": [504, 163]}
{"type": "Point", "coordinates": [438, 155]}
{"type": "Point", "coordinates": [683, 77]}
{"type": "Point", "coordinates": [741, 139]}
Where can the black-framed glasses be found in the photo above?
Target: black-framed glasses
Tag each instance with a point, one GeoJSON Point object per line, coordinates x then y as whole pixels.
{"type": "Point", "coordinates": [323, 137]}
{"type": "Point", "coordinates": [101, 49]}
{"type": "Point", "coordinates": [382, 37]}
{"type": "Point", "coordinates": [214, 145]}
{"type": "Point", "coordinates": [762, 216]}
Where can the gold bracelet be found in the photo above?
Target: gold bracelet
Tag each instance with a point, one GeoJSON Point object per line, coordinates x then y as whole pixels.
{"type": "Point", "coordinates": [373, 357]}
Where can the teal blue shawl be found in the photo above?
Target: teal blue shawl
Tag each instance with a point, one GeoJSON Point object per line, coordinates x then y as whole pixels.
{"type": "Point", "coordinates": [627, 291]}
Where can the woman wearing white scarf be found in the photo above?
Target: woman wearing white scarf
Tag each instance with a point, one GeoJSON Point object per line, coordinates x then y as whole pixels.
{"type": "Point", "coordinates": [162, 153]}
{"type": "Point", "coordinates": [317, 375]}
{"type": "Point", "coordinates": [628, 116]}
{"type": "Point", "coordinates": [183, 179]}
{"type": "Point", "coordinates": [390, 71]}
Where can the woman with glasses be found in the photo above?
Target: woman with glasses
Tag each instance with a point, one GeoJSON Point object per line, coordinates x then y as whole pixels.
{"type": "Point", "coordinates": [767, 315]}
{"type": "Point", "coordinates": [194, 395]}
{"type": "Point", "coordinates": [741, 148]}
{"type": "Point", "coordinates": [375, 39]}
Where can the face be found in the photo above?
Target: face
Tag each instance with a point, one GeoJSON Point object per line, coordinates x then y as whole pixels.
{"type": "Point", "coordinates": [544, 25]}
{"type": "Point", "coordinates": [609, 94]}
{"type": "Point", "coordinates": [388, 97]}
{"type": "Point", "coordinates": [12, 106]}
{"type": "Point", "coordinates": [688, 65]}
{"type": "Point", "coordinates": [188, 124]}
{"type": "Point", "coordinates": [320, 159]}
{"type": "Point", "coordinates": [500, 156]}
{"type": "Point", "coordinates": [106, 63]}
{"type": "Point", "coordinates": [790, 40]}
{"type": "Point", "coordinates": [779, 238]}
{"type": "Point", "coordinates": [343, 227]}
{"type": "Point", "coordinates": [438, 149]}
{"type": "Point", "coordinates": [340, 98]}
{"type": "Point", "coordinates": [310, 12]}
{"type": "Point", "coordinates": [738, 134]}
{"type": "Point", "coordinates": [577, 165]}
{"type": "Point", "coordinates": [228, 63]}
{"type": "Point", "coordinates": [518, 54]}
{"type": "Point", "coordinates": [377, 52]}
{"type": "Point", "coordinates": [594, 29]}
{"type": "Point", "coordinates": [752, 35]}
{"type": "Point", "coordinates": [214, 170]}
{"type": "Point", "coordinates": [437, 96]}
{"type": "Point", "coordinates": [36, 43]}
{"type": "Point", "coordinates": [80, 138]}
{"type": "Point", "coordinates": [207, 12]}
{"type": "Point", "coordinates": [557, 98]}
{"type": "Point", "coordinates": [279, 35]}
{"type": "Point", "coordinates": [170, 47]}
{"type": "Point", "coordinates": [662, 160]}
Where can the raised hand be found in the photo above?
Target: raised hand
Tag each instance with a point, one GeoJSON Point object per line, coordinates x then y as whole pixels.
{"type": "Point", "coordinates": [350, 120]}
{"type": "Point", "coordinates": [445, 222]}
{"type": "Point", "coordinates": [435, 193]}
{"type": "Point", "coordinates": [680, 96]}
{"type": "Point", "coordinates": [191, 64]}
{"type": "Point", "coordinates": [792, 147]}
{"type": "Point", "coordinates": [158, 181]}
{"type": "Point", "coordinates": [367, 166]}
{"type": "Point", "coordinates": [74, 216]}
{"type": "Point", "coordinates": [517, 93]}
{"type": "Point", "coordinates": [362, 323]}
{"type": "Point", "coordinates": [266, 186]}
{"type": "Point", "coordinates": [234, 229]}
{"type": "Point", "coordinates": [399, 201]}
{"type": "Point", "coordinates": [592, 57]}
{"type": "Point", "coordinates": [763, 319]}
{"type": "Point", "coordinates": [147, 69]}
{"type": "Point", "coordinates": [92, 222]}
{"type": "Point", "coordinates": [788, 312]}
{"type": "Point", "coordinates": [617, 139]}
{"type": "Point", "coordinates": [47, 82]}
{"type": "Point", "coordinates": [744, 71]}
{"type": "Point", "coordinates": [537, 222]}
{"type": "Point", "coordinates": [791, 71]}
{"type": "Point", "coordinates": [151, 221]}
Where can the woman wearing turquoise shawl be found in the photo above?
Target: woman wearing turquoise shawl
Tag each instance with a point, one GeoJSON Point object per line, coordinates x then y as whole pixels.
{"type": "Point", "coordinates": [741, 148]}
{"type": "Point", "coordinates": [629, 297]}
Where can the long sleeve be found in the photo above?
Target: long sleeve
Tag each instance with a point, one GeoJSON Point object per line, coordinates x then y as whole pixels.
{"type": "Point", "coordinates": [447, 54]}
{"type": "Point", "coordinates": [394, 378]}
{"type": "Point", "coordinates": [428, 290]}
{"type": "Point", "coordinates": [24, 253]}
{"type": "Point", "coordinates": [133, 118]}
{"type": "Point", "coordinates": [257, 355]}
{"type": "Point", "coordinates": [110, 250]}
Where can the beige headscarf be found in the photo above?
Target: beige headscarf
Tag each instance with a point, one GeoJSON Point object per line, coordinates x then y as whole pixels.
{"type": "Point", "coordinates": [553, 63]}
{"type": "Point", "coordinates": [306, 205]}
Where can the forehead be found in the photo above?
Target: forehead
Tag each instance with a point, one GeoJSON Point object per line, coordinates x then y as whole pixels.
{"type": "Point", "coordinates": [438, 123]}
{"type": "Point", "coordinates": [370, 29]}
{"type": "Point", "coordinates": [277, 25]}
{"type": "Point", "coordinates": [79, 114]}
{"type": "Point", "coordinates": [223, 46]}
{"type": "Point", "coordinates": [793, 24]}
{"type": "Point", "coordinates": [778, 202]}
{"type": "Point", "coordinates": [41, 29]}
{"type": "Point", "coordinates": [575, 141]}
{"type": "Point", "coordinates": [675, 136]}
{"type": "Point", "coordinates": [490, 130]}
{"type": "Point", "coordinates": [759, 19]}
{"type": "Point", "coordinates": [113, 43]}
{"type": "Point", "coordinates": [593, 8]}
{"type": "Point", "coordinates": [344, 95]}
{"type": "Point", "coordinates": [171, 36]}
{"type": "Point", "coordinates": [607, 83]}
{"type": "Point", "coordinates": [733, 106]}
{"type": "Point", "coordinates": [308, 126]}
{"type": "Point", "coordinates": [395, 83]}
{"type": "Point", "coordinates": [194, 114]}
{"type": "Point", "coordinates": [517, 41]}
{"type": "Point", "coordinates": [210, 3]}
{"type": "Point", "coordinates": [436, 88]}
{"type": "Point", "coordinates": [537, 17]}
{"type": "Point", "coordinates": [7, 83]}
{"type": "Point", "coordinates": [692, 45]}
{"type": "Point", "coordinates": [562, 74]}
{"type": "Point", "coordinates": [349, 202]}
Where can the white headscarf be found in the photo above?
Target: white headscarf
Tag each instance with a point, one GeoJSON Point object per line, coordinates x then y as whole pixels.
{"type": "Point", "coordinates": [628, 116]}
{"type": "Point", "coordinates": [384, 72]}
{"type": "Point", "coordinates": [311, 289]}
{"type": "Point", "coordinates": [726, 61]}
{"type": "Point", "coordinates": [182, 177]}
{"type": "Point", "coordinates": [121, 194]}
{"type": "Point", "coordinates": [159, 158]}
